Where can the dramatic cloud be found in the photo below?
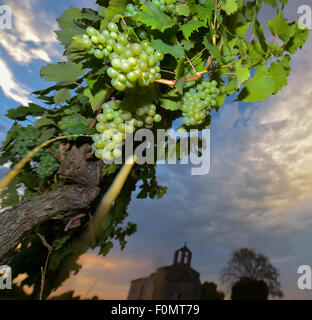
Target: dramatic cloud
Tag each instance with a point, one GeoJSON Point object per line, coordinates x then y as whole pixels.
{"type": "Point", "coordinates": [32, 36]}
{"type": "Point", "coordinates": [11, 87]}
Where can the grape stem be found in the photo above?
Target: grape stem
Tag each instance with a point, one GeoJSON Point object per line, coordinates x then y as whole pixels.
{"type": "Point", "coordinates": [124, 22]}
{"type": "Point", "coordinates": [93, 123]}
{"type": "Point", "coordinates": [188, 60]}
{"type": "Point", "coordinates": [171, 72]}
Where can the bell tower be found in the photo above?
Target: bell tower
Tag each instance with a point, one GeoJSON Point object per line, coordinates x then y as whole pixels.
{"type": "Point", "coordinates": [183, 256]}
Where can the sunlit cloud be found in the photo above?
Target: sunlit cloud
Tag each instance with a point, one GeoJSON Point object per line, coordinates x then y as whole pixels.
{"type": "Point", "coordinates": [106, 277]}
{"type": "Point", "coordinates": [32, 36]}
{"type": "Point", "coordinates": [11, 87]}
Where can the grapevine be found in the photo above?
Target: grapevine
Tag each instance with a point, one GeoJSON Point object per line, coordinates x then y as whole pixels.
{"type": "Point", "coordinates": [129, 65]}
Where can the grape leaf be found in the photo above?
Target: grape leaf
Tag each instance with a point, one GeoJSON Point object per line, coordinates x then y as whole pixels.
{"type": "Point", "coordinates": [266, 81]}
{"type": "Point", "coordinates": [183, 10]}
{"type": "Point", "coordinates": [170, 101]}
{"type": "Point", "coordinates": [63, 73]}
{"type": "Point", "coordinates": [43, 122]}
{"type": "Point", "coordinates": [46, 135]}
{"type": "Point", "coordinates": [280, 72]}
{"type": "Point", "coordinates": [68, 26]}
{"type": "Point", "coordinates": [215, 53]}
{"type": "Point", "coordinates": [97, 99]}
{"type": "Point", "coordinates": [190, 27]}
{"type": "Point", "coordinates": [242, 73]}
{"type": "Point", "coordinates": [259, 88]}
{"type": "Point", "coordinates": [203, 13]}
{"type": "Point", "coordinates": [115, 7]}
{"type": "Point", "coordinates": [22, 112]}
{"type": "Point", "coordinates": [230, 6]}
{"type": "Point", "coordinates": [107, 222]}
{"type": "Point", "coordinates": [175, 50]}
{"type": "Point", "coordinates": [280, 27]}
{"type": "Point", "coordinates": [62, 96]}
{"type": "Point", "coordinates": [298, 40]}
{"type": "Point", "coordinates": [155, 18]}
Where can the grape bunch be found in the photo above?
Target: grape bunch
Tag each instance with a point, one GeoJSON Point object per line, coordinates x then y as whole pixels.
{"type": "Point", "coordinates": [26, 141]}
{"type": "Point", "coordinates": [47, 166]}
{"type": "Point", "coordinates": [43, 161]}
{"type": "Point", "coordinates": [132, 10]}
{"type": "Point", "coordinates": [114, 124]}
{"type": "Point", "coordinates": [167, 6]}
{"type": "Point", "coordinates": [131, 63]}
{"type": "Point", "coordinates": [198, 102]}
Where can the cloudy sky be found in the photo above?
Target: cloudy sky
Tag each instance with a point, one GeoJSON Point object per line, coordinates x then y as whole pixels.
{"type": "Point", "coordinates": [257, 194]}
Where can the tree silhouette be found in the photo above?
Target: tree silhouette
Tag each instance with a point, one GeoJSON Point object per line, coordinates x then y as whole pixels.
{"type": "Point", "coordinates": [250, 289]}
{"type": "Point", "coordinates": [209, 291]}
{"type": "Point", "coordinates": [246, 263]}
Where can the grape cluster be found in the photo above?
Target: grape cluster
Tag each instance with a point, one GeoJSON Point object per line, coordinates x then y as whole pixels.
{"type": "Point", "coordinates": [167, 6]}
{"type": "Point", "coordinates": [132, 10]}
{"type": "Point", "coordinates": [25, 142]}
{"type": "Point", "coordinates": [48, 165]}
{"type": "Point", "coordinates": [114, 124]}
{"type": "Point", "coordinates": [131, 63]}
{"type": "Point", "coordinates": [198, 102]}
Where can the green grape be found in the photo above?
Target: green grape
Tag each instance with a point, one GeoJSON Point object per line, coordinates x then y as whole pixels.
{"type": "Point", "coordinates": [117, 153]}
{"type": "Point", "coordinates": [129, 84]}
{"type": "Point", "coordinates": [122, 78]}
{"type": "Point", "coordinates": [116, 63]}
{"type": "Point", "coordinates": [132, 76]}
{"type": "Point", "coordinates": [100, 144]}
{"type": "Point", "coordinates": [91, 31]}
{"type": "Point", "coordinates": [100, 127]}
{"type": "Point", "coordinates": [126, 115]}
{"type": "Point", "coordinates": [111, 42]}
{"type": "Point", "coordinates": [119, 85]}
{"type": "Point", "coordinates": [101, 118]}
{"type": "Point", "coordinates": [142, 34]}
{"type": "Point", "coordinates": [144, 57]}
{"type": "Point", "coordinates": [122, 39]}
{"type": "Point", "coordinates": [149, 120]}
{"type": "Point", "coordinates": [114, 35]}
{"type": "Point", "coordinates": [99, 54]}
{"type": "Point", "coordinates": [102, 38]}
{"type": "Point", "coordinates": [157, 118]}
{"type": "Point", "coordinates": [136, 49]}
{"type": "Point", "coordinates": [112, 73]}
{"type": "Point", "coordinates": [99, 154]}
{"type": "Point", "coordinates": [125, 66]}
{"type": "Point", "coordinates": [112, 27]}
{"type": "Point", "coordinates": [119, 48]}
{"type": "Point", "coordinates": [95, 39]}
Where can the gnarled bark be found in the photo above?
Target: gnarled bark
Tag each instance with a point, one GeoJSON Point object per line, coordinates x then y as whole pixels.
{"type": "Point", "coordinates": [64, 201]}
